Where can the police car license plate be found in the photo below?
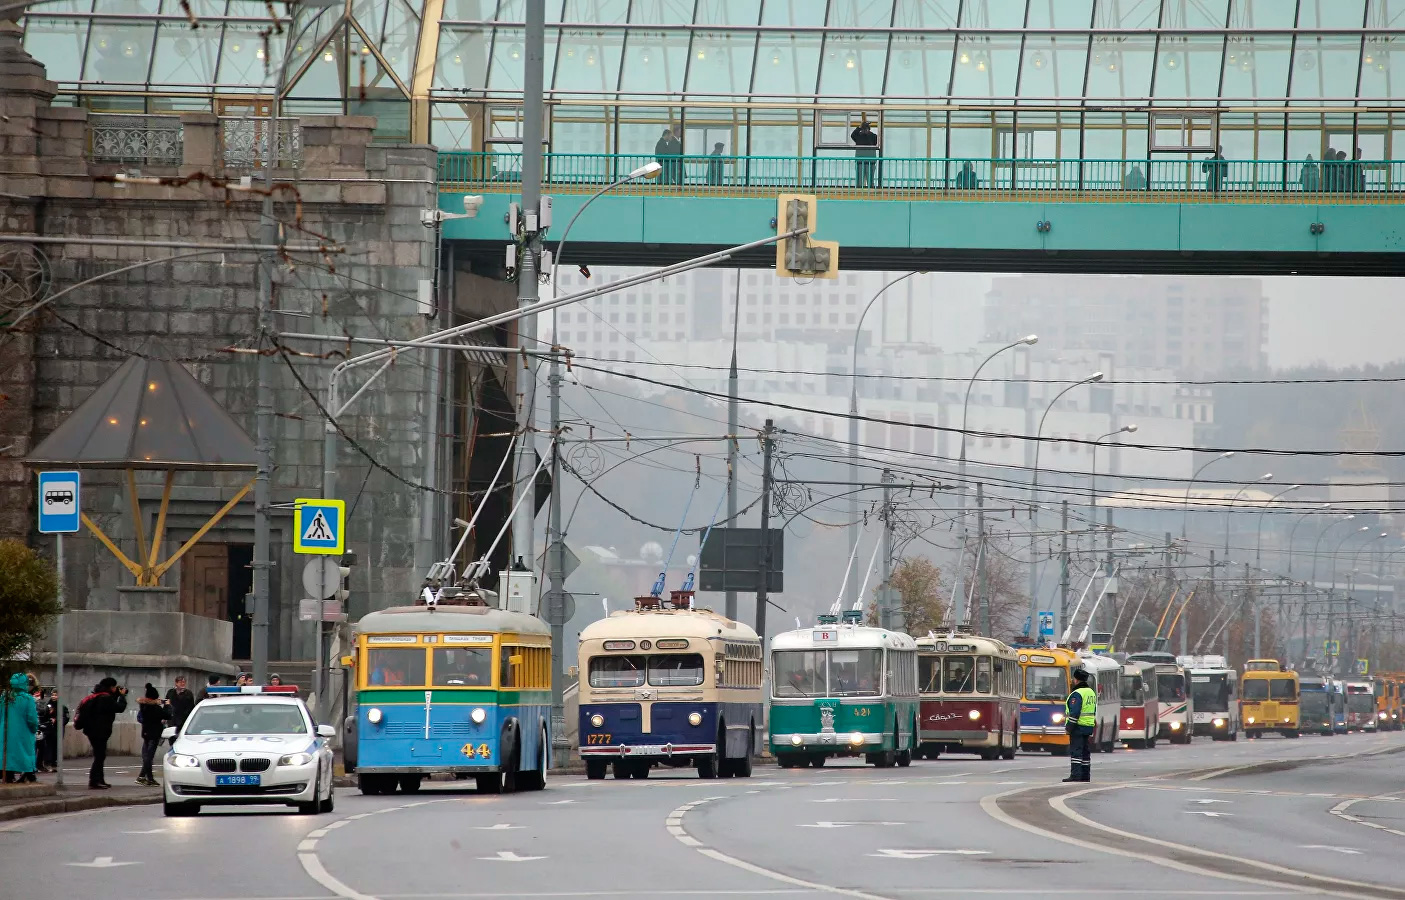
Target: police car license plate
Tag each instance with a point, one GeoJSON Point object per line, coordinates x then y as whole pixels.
{"type": "Point", "coordinates": [237, 780]}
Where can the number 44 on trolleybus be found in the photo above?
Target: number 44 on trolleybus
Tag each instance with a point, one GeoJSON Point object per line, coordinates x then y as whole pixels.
{"type": "Point", "coordinates": [970, 689]}
{"type": "Point", "coordinates": [671, 686]}
{"type": "Point", "coordinates": [459, 687]}
{"type": "Point", "coordinates": [843, 689]}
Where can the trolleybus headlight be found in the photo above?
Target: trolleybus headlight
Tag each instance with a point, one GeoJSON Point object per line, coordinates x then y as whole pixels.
{"type": "Point", "coordinates": [1251, 720]}
{"type": "Point", "coordinates": [374, 716]}
{"type": "Point", "coordinates": [695, 719]}
{"type": "Point", "coordinates": [1219, 723]}
{"type": "Point", "coordinates": [479, 715]}
{"type": "Point", "coordinates": [295, 759]}
{"type": "Point", "coordinates": [796, 740]}
{"type": "Point", "coordinates": [1381, 716]}
{"type": "Point", "coordinates": [1129, 720]}
{"type": "Point", "coordinates": [1286, 720]}
{"type": "Point", "coordinates": [973, 715]}
{"type": "Point", "coordinates": [1176, 726]}
{"type": "Point", "coordinates": [1057, 718]}
{"type": "Point", "coordinates": [856, 738]}
{"type": "Point", "coordinates": [597, 720]}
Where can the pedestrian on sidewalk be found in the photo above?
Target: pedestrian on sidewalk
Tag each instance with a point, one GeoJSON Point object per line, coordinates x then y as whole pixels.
{"type": "Point", "coordinates": [94, 718]}
{"type": "Point", "coordinates": [43, 735]}
{"type": "Point", "coordinates": [180, 701]}
{"type": "Point", "coordinates": [57, 718]}
{"type": "Point", "coordinates": [1080, 721]}
{"type": "Point", "coordinates": [19, 722]}
{"type": "Point", "coordinates": [212, 681]}
{"type": "Point", "coordinates": [151, 715]}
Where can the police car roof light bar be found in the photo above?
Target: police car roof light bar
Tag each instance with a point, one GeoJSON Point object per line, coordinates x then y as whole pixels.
{"type": "Point", "coordinates": [230, 689]}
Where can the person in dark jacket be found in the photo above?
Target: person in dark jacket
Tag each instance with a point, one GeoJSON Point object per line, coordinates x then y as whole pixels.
{"type": "Point", "coordinates": [53, 716]}
{"type": "Point", "coordinates": [1080, 721]}
{"type": "Point", "coordinates": [866, 153]}
{"type": "Point", "coordinates": [180, 701]}
{"type": "Point", "coordinates": [151, 715]}
{"type": "Point", "coordinates": [1216, 170]}
{"type": "Point", "coordinates": [95, 717]}
{"type": "Point", "coordinates": [212, 681]}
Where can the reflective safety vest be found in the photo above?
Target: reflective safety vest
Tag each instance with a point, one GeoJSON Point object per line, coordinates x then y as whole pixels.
{"type": "Point", "coordinates": [1087, 711]}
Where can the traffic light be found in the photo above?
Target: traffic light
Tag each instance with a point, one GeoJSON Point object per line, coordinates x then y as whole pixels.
{"type": "Point", "coordinates": [348, 560]}
{"type": "Point", "coordinates": [803, 256]}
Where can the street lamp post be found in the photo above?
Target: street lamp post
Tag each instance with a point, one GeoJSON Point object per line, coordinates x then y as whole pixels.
{"type": "Point", "coordinates": [1338, 550]}
{"type": "Point", "coordinates": [1093, 469]}
{"type": "Point", "coordinates": [1312, 579]}
{"type": "Point", "coordinates": [1027, 341]}
{"type": "Point", "coordinates": [852, 584]}
{"type": "Point", "coordinates": [1267, 476]}
{"type": "Point", "coordinates": [1259, 532]}
{"type": "Point", "coordinates": [1185, 517]}
{"type": "Point", "coordinates": [1034, 494]}
{"type": "Point", "coordinates": [1294, 530]}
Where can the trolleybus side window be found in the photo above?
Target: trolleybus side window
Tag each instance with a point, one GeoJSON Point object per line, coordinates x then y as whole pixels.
{"type": "Point", "coordinates": [854, 672]}
{"type": "Point", "coordinates": [1255, 689]}
{"type": "Point", "coordinates": [1045, 683]}
{"type": "Point", "coordinates": [397, 666]}
{"type": "Point", "coordinates": [617, 671]}
{"type": "Point", "coordinates": [798, 673]}
{"type": "Point", "coordinates": [463, 667]}
{"type": "Point", "coordinates": [676, 669]}
{"type": "Point", "coordinates": [1282, 689]}
{"type": "Point", "coordinates": [983, 675]}
{"type": "Point", "coordinates": [929, 673]}
{"type": "Point", "coordinates": [956, 677]}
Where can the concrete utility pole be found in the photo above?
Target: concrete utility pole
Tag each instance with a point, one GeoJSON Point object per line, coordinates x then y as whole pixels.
{"type": "Point", "coordinates": [1254, 604]}
{"type": "Point", "coordinates": [1063, 567]}
{"type": "Point", "coordinates": [762, 587]}
{"type": "Point", "coordinates": [886, 612]}
{"type": "Point", "coordinates": [730, 602]}
{"type": "Point", "coordinates": [555, 559]}
{"type": "Point", "coordinates": [529, 240]}
{"type": "Point", "coordinates": [982, 585]}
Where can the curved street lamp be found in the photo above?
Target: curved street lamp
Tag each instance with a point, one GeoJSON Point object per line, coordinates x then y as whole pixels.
{"type": "Point", "coordinates": [1259, 532]}
{"type": "Point", "coordinates": [1185, 517]}
{"type": "Point", "coordinates": [1267, 476]}
{"type": "Point", "coordinates": [1294, 530]}
{"type": "Point", "coordinates": [1093, 469]}
{"type": "Point", "coordinates": [1338, 550]}
{"type": "Point", "coordinates": [1026, 341]}
{"type": "Point", "coordinates": [1312, 579]}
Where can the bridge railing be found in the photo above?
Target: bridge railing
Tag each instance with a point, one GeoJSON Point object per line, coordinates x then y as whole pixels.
{"type": "Point", "coordinates": [907, 178]}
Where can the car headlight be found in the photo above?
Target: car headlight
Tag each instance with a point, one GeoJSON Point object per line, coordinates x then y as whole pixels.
{"type": "Point", "coordinates": [1251, 720]}
{"type": "Point", "coordinates": [596, 721]}
{"type": "Point", "coordinates": [182, 761]}
{"type": "Point", "coordinates": [1176, 726]}
{"type": "Point", "coordinates": [1219, 723]}
{"type": "Point", "coordinates": [856, 738]}
{"type": "Point", "coordinates": [1057, 718]}
{"type": "Point", "coordinates": [479, 715]}
{"type": "Point", "coordinates": [695, 719]}
{"type": "Point", "coordinates": [795, 740]}
{"type": "Point", "coordinates": [374, 716]}
{"type": "Point", "coordinates": [295, 759]}
{"type": "Point", "coordinates": [1129, 720]}
{"type": "Point", "coordinates": [973, 715]}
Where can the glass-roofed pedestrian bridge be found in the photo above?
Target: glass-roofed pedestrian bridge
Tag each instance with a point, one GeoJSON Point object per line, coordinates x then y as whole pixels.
{"type": "Point", "coordinates": [1154, 129]}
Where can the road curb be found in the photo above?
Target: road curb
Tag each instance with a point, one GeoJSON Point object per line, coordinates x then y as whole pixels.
{"type": "Point", "coordinates": [55, 805]}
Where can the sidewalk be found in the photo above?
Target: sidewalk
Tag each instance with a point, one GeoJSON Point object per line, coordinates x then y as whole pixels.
{"type": "Point", "coordinates": [45, 797]}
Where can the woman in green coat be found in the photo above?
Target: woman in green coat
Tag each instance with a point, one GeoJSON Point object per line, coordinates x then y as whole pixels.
{"type": "Point", "coordinates": [20, 721]}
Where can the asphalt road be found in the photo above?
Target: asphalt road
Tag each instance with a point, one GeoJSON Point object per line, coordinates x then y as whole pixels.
{"type": "Point", "coordinates": [1287, 816]}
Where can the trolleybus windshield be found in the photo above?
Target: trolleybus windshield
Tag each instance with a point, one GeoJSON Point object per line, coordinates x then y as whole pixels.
{"type": "Point", "coordinates": [395, 666]}
{"type": "Point", "coordinates": [617, 671]}
{"type": "Point", "coordinates": [660, 670]}
{"type": "Point", "coordinates": [1045, 683]}
{"type": "Point", "coordinates": [929, 674]}
{"type": "Point", "coordinates": [1170, 686]}
{"type": "Point", "coordinates": [827, 673]}
{"type": "Point", "coordinates": [1282, 689]}
{"type": "Point", "coordinates": [957, 672]}
{"type": "Point", "coordinates": [1132, 690]}
{"type": "Point", "coordinates": [463, 667]}
{"type": "Point", "coordinates": [676, 669]}
{"type": "Point", "coordinates": [1359, 701]}
{"type": "Point", "coordinates": [1254, 689]}
{"type": "Point", "coordinates": [1316, 702]}
{"type": "Point", "coordinates": [1210, 692]}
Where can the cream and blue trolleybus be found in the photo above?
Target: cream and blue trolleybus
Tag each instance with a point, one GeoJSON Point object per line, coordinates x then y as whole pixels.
{"type": "Point", "coordinates": [668, 685]}
{"type": "Point", "coordinates": [455, 687]}
{"type": "Point", "coordinates": [843, 689]}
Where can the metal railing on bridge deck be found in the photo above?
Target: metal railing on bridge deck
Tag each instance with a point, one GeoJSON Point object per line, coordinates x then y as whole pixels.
{"type": "Point", "coordinates": [1198, 179]}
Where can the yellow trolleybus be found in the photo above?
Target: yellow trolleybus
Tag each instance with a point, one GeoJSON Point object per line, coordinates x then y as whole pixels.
{"type": "Point", "coordinates": [1269, 699]}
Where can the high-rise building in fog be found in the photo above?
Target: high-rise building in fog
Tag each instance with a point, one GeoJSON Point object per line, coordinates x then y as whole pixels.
{"type": "Point", "coordinates": [1193, 326]}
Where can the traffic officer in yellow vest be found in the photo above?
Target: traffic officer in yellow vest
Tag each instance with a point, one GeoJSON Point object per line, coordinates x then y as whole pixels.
{"type": "Point", "coordinates": [1080, 721]}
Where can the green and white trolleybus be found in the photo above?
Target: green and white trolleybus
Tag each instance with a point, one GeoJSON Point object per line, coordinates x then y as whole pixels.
{"type": "Point", "coordinates": [843, 689]}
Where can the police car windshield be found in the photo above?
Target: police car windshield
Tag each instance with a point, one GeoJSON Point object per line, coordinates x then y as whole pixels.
{"type": "Point", "coordinates": [233, 717]}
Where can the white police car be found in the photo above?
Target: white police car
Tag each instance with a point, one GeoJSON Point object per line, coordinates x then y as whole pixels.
{"type": "Point", "coordinates": [249, 745]}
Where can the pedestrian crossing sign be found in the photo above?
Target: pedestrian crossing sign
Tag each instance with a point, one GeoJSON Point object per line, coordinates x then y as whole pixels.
{"type": "Point", "coordinates": [319, 526]}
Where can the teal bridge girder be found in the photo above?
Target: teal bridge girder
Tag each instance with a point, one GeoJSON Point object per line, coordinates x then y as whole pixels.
{"type": "Point", "coordinates": [1188, 216]}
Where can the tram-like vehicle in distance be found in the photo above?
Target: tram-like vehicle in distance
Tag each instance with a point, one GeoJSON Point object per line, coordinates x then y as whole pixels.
{"type": "Point", "coordinates": [1270, 699]}
{"type": "Point", "coordinates": [1360, 705]}
{"type": "Point", "coordinates": [1315, 702]}
{"type": "Point", "coordinates": [454, 686]}
{"type": "Point", "coordinates": [1388, 700]}
{"type": "Point", "coordinates": [665, 684]}
{"type": "Point", "coordinates": [1176, 709]}
{"type": "Point", "coordinates": [1137, 724]}
{"type": "Point", "coordinates": [1214, 696]}
{"type": "Point", "coordinates": [841, 688]}
{"type": "Point", "coordinates": [970, 690]}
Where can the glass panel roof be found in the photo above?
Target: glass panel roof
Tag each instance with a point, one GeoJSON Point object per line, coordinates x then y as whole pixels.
{"type": "Point", "coordinates": [995, 52]}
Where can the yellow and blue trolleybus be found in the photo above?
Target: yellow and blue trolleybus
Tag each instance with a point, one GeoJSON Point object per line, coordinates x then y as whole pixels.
{"type": "Point", "coordinates": [463, 689]}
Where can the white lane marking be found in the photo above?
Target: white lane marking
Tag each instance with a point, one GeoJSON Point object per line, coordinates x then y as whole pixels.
{"type": "Point", "coordinates": [923, 854]}
{"type": "Point", "coordinates": [1203, 800]}
{"type": "Point", "coordinates": [559, 802]}
{"type": "Point", "coordinates": [844, 824]}
{"type": "Point", "coordinates": [509, 856]}
{"type": "Point", "coordinates": [103, 862]}
{"type": "Point", "coordinates": [690, 841]}
{"type": "Point", "coordinates": [1215, 772]}
{"type": "Point", "coordinates": [308, 846]}
{"type": "Point", "coordinates": [1340, 811]}
{"type": "Point", "coordinates": [318, 873]}
{"type": "Point", "coordinates": [317, 833]}
{"type": "Point", "coordinates": [856, 800]}
{"type": "Point", "coordinates": [1208, 813]}
{"type": "Point", "coordinates": [148, 831]}
{"type": "Point", "coordinates": [501, 826]}
{"type": "Point", "coordinates": [1350, 851]}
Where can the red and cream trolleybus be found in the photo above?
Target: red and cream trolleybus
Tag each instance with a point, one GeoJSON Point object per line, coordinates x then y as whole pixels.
{"type": "Point", "coordinates": [970, 696]}
{"type": "Point", "coordinates": [1137, 722]}
{"type": "Point", "coordinates": [1177, 709]}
